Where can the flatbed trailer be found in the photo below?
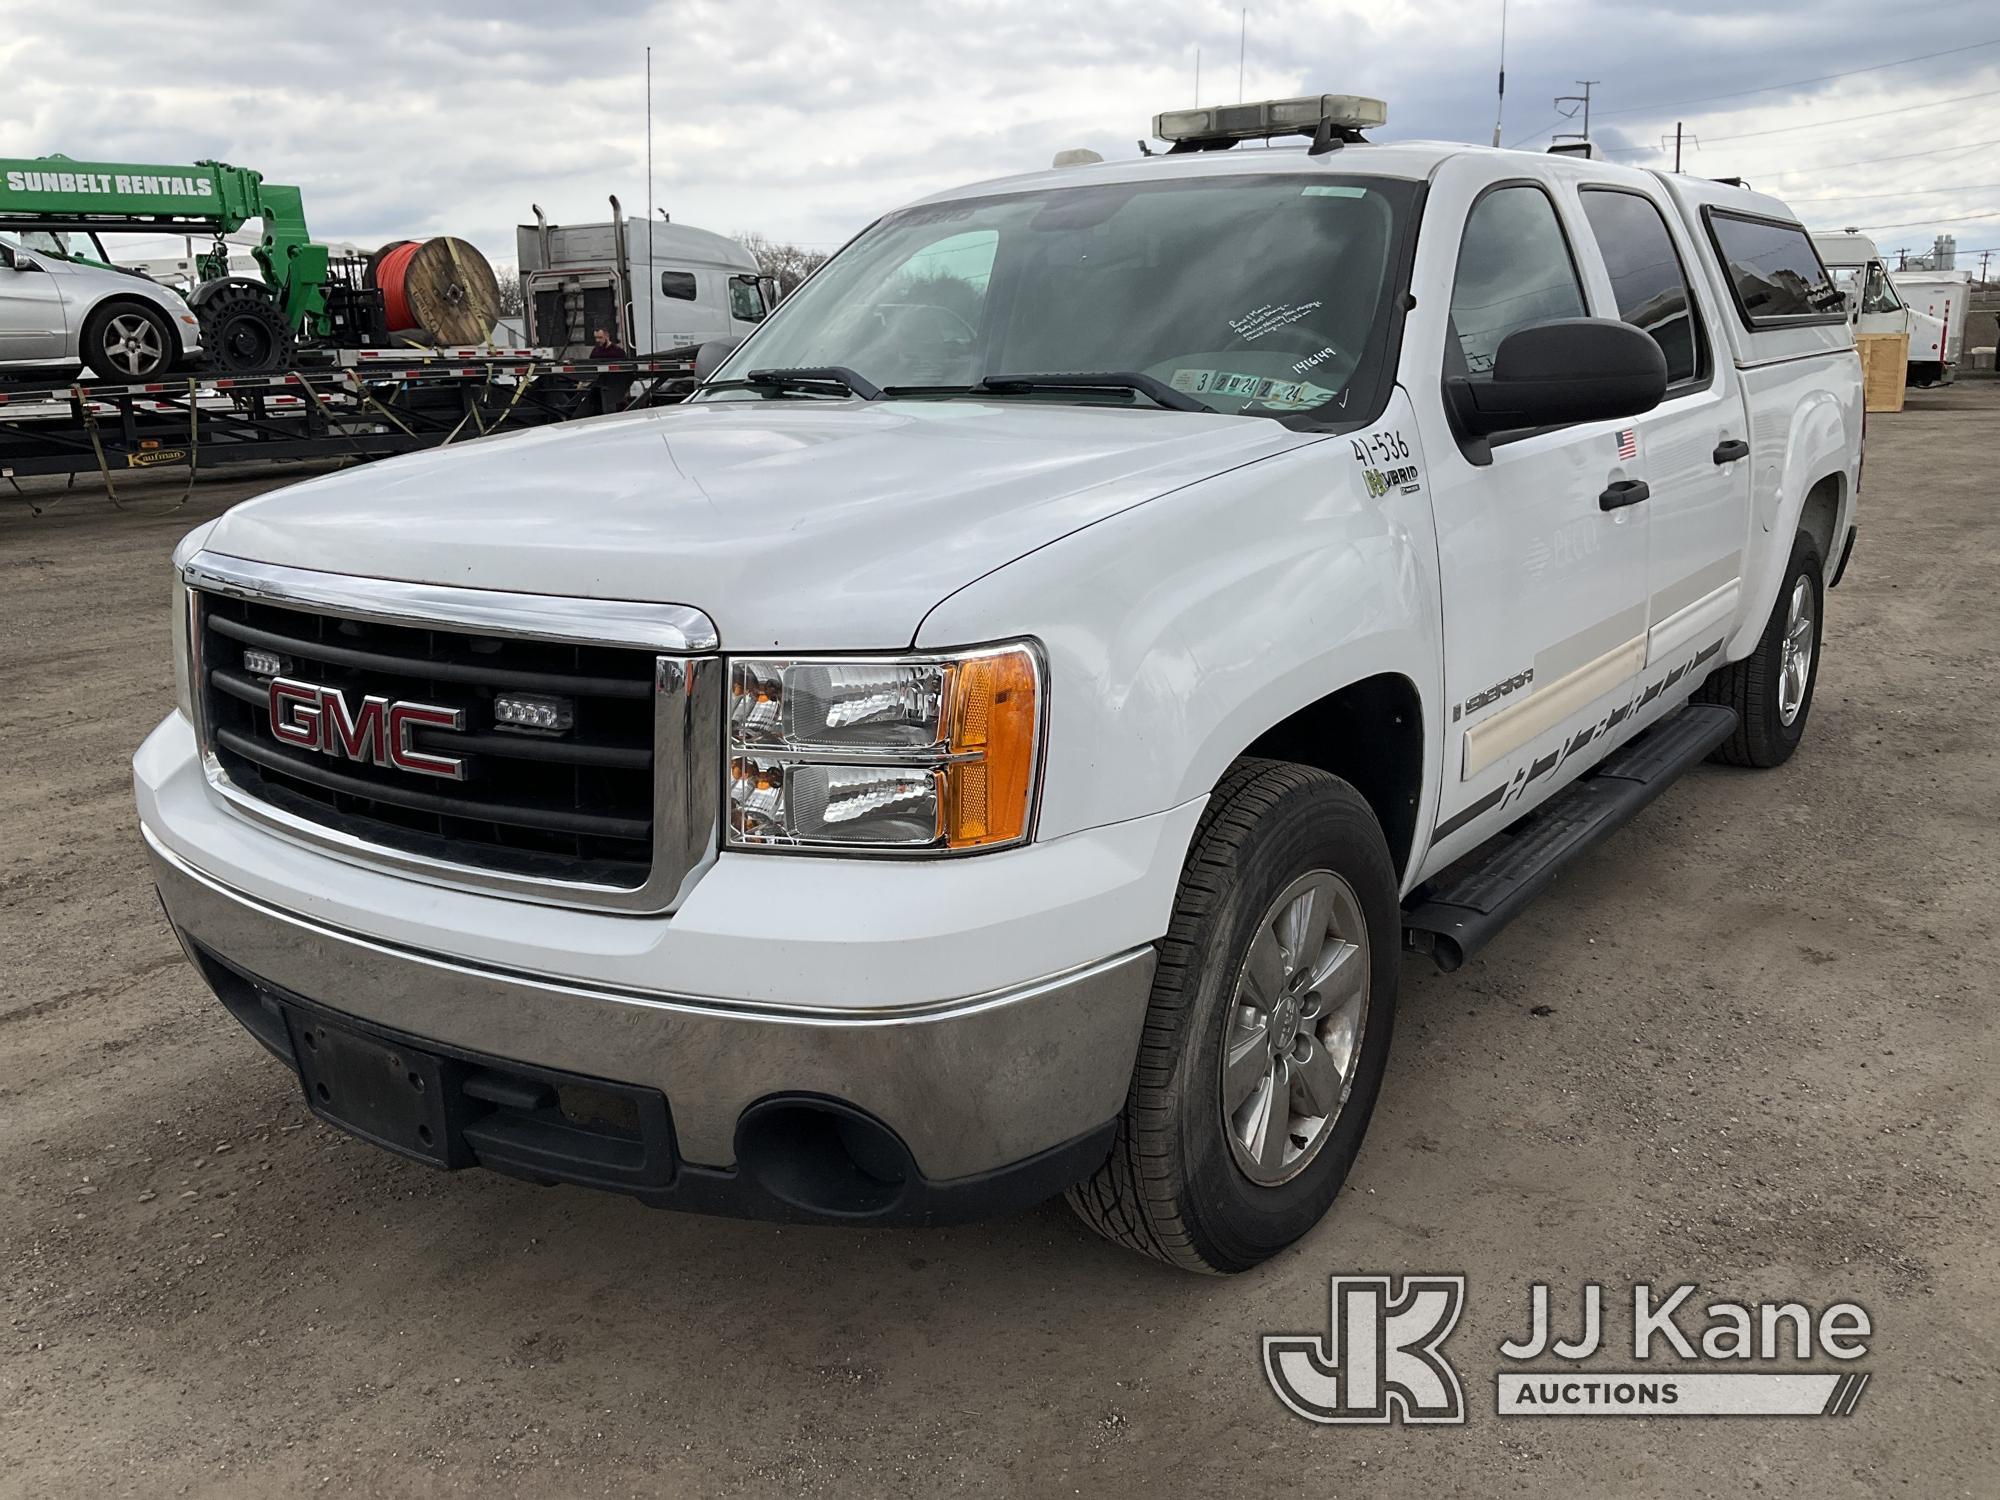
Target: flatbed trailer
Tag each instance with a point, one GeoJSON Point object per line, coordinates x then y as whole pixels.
{"type": "Point", "coordinates": [364, 404]}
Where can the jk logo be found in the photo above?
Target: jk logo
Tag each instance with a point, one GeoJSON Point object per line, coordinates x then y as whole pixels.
{"type": "Point", "coordinates": [1380, 1360]}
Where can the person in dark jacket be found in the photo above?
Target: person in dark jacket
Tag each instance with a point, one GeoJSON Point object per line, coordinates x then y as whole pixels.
{"type": "Point", "coordinates": [608, 346]}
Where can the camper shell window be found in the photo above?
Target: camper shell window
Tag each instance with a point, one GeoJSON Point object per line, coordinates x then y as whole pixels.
{"type": "Point", "coordinates": [1774, 272]}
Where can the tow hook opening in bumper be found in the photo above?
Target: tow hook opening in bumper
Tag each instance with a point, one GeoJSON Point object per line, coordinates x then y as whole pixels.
{"type": "Point", "coordinates": [824, 1157]}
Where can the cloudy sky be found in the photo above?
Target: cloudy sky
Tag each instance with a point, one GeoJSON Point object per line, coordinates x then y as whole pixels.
{"type": "Point", "coordinates": [805, 118]}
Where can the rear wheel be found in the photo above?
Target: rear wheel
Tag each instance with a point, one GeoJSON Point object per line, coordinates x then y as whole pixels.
{"type": "Point", "coordinates": [1772, 688]}
{"type": "Point", "coordinates": [128, 341]}
{"type": "Point", "coordinates": [244, 333]}
{"type": "Point", "coordinates": [1268, 1030]}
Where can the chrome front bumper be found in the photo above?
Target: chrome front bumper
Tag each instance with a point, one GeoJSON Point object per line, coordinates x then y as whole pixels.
{"type": "Point", "coordinates": [970, 1086]}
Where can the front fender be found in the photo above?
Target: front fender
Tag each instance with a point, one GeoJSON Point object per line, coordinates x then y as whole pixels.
{"type": "Point", "coordinates": [1179, 631]}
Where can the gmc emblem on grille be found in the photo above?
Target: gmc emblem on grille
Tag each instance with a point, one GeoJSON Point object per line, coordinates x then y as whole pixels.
{"type": "Point", "coordinates": [314, 717]}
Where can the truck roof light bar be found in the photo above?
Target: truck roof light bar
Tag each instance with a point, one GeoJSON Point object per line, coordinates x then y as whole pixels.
{"type": "Point", "coordinates": [1217, 127]}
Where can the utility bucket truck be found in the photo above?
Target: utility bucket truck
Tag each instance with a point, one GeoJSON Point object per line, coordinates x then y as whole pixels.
{"type": "Point", "coordinates": [1876, 304]}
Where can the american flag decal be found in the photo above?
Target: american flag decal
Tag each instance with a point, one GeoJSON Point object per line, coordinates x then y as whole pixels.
{"type": "Point", "coordinates": [1628, 442]}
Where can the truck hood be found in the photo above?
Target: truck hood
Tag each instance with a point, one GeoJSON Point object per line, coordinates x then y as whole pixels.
{"type": "Point", "coordinates": [806, 524]}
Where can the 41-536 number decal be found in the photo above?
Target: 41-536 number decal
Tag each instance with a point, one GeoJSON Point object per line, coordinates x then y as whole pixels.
{"type": "Point", "coordinates": [1381, 448]}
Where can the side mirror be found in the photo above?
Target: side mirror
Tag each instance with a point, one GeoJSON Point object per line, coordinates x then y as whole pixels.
{"type": "Point", "coordinates": [1567, 370]}
{"type": "Point", "coordinates": [709, 357]}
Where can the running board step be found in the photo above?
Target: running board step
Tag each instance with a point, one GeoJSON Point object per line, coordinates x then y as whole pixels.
{"type": "Point", "coordinates": [1454, 918]}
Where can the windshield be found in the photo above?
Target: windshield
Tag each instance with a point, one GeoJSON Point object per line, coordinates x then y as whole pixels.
{"type": "Point", "coordinates": [45, 241]}
{"type": "Point", "coordinates": [1870, 284]}
{"type": "Point", "coordinates": [1264, 296]}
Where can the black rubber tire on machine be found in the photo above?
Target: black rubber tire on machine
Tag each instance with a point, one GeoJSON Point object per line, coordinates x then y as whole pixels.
{"type": "Point", "coordinates": [244, 333]}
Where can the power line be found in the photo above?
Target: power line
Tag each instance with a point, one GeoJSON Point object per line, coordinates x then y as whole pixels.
{"type": "Point", "coordinates": [1629, 109]}
{"type": "Point", "coordinates": [1903, 109]}
{"type": "Point", "coordinates": [1970, 187]}
{"type": "Point", "coordinates": [1560, 120]}
{"type": "Point", "coordinates": [1798, 83]}
{"type": "Point", "coordinates": [1926, 223]}
{"type": "Point", "coordinates": [1869, 161]}
{"type": "Point", "coordinates": [1960, 149]}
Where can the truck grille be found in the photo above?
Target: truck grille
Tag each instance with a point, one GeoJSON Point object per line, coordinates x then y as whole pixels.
{"type": "Point", "coordinates": [574, 806]}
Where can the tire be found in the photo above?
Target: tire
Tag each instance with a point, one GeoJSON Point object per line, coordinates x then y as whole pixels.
{"type": "Point", "coordinates": [1174, 1186]}
{"type": "Point", "coordinates": [1771, 709]}
{"type": "Point", "coordinates": [128, 341]}
{"type": "Point", "coordinates": [244, 333]}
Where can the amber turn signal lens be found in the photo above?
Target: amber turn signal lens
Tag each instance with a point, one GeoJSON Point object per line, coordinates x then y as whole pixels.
{"type": "Point", "coordinates": [993, 716]}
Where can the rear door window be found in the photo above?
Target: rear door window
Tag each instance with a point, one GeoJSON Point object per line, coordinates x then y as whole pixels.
{"type": "Point", "coordinates": [1647, 277]}
{"type": "Point", "coordinates": [1774, 271]}
{"type": "Point", "coordinates": [1514, 269]}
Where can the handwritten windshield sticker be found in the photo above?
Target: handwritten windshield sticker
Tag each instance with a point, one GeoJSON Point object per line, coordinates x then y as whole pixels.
{"type": "Point", "coordinates": [1290, 394]}
{"type": "Point", "coordinates": [1303, 365]}
{"type": "Point", "coordinates": [1270, 318]}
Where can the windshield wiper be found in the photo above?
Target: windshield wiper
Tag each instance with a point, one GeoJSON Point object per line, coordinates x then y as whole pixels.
{"type": "Point", "coordinates": [1105, 380]}
{"type": "Point", "coordinates": [854, 383]}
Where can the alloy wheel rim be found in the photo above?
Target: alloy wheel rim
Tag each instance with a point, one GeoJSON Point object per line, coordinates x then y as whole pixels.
{"type": "Point", "coordinates": [1795, 653]}
{"type": "Point", "coordinates": [1296, 1020]}
{"type": "Point", "coordinates": [134, 344]}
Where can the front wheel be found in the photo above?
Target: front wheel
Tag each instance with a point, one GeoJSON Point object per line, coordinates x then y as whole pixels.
{"type": "Point", "coordinates": [1267, 1034]}
{"type": "Point", "coordinates": [128, 341]}
{"type": "Point", "coordinates": [1771, 689]}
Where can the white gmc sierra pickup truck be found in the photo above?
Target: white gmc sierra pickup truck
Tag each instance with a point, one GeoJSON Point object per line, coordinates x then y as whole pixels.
{"type": "Point", "coordinates": [1002, 735]}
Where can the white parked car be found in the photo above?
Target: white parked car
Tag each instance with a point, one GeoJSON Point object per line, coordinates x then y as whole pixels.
{"type": "Point", "coordinates": [1003, 734]}
{"type": "Point", "coordinates": [57, 313]}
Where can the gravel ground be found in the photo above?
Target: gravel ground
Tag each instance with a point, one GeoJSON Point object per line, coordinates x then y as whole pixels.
{"type": "Point", "coordinates": [1751, 1043]}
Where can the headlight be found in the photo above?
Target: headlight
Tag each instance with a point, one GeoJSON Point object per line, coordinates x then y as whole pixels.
{"type": "Point", "coordinates": [885, 753]}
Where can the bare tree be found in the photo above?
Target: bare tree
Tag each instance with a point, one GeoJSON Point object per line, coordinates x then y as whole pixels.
{"type": "Point", "coordinates": [512, 298]}
{"type": "Point", "coordinates": [787, 264]}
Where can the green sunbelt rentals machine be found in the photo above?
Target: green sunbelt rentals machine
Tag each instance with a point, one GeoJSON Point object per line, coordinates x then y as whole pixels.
{"type": "Point", "coordinates": [246, 325]}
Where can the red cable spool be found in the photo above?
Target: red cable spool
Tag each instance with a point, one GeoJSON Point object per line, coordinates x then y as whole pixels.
{"type": "Point", "coordinates": [391, 270]}
{"type": "Point", "coordinates": [442, 288]}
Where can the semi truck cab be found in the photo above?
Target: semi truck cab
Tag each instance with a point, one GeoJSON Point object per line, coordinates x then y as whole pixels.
{"type": "Point", "coordinates": [658, 286]}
